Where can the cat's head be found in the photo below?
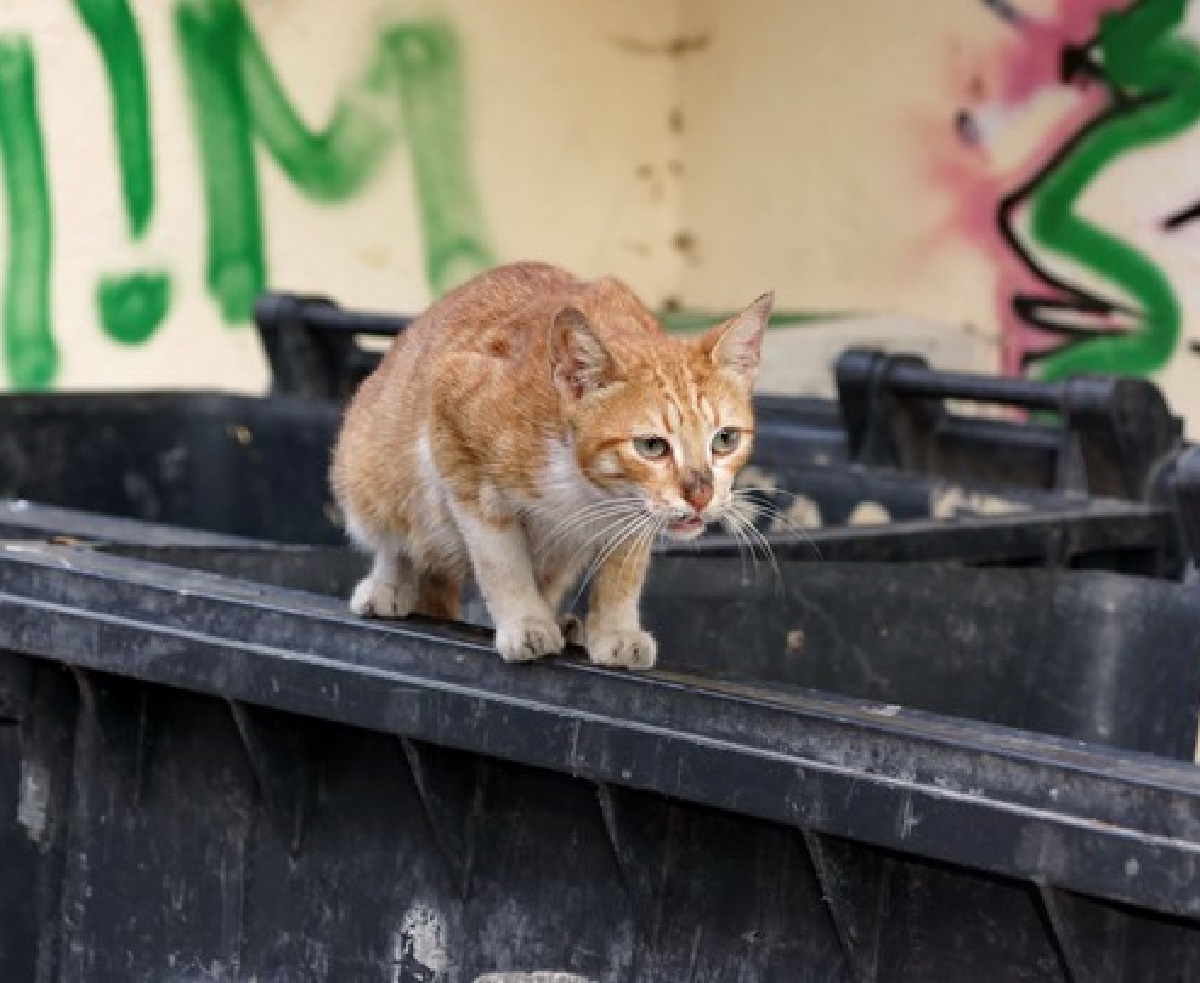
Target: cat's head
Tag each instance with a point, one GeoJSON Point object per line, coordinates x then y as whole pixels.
{"type": "Point", "coordinates": [665, 422]}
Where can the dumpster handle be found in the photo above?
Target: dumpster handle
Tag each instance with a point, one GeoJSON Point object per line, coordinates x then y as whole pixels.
{"type": "Point", "coordinates": [1110, 436]}
{"type": "Point", "coordinates": [312, 344]}
{"type": "Point", "coordinates": [911, 379]}
{"type": "Point", "coordinates": [322, 314]}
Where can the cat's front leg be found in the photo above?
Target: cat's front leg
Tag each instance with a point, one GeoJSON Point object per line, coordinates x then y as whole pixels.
{"type": "Point", "coordinates": [499, 549]}
{"type": "Point", "coordinates": [614, 634]}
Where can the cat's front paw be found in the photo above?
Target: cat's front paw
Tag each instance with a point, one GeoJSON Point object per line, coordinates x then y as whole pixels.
{"type": "Point", "coordinates": [526, 639]}
{"type": "Point", "coordinates": [383, 599]}
{"type": "Point", "coordinates": [629, 648]}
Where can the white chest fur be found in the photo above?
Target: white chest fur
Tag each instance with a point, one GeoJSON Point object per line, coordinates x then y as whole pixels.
{"type": "Point", "coordinates": [569, 514]}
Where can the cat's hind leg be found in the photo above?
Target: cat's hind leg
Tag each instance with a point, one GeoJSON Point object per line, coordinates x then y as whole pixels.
{"type": "Point", "coordinates": [439, 595]}
{"type": "Point", "coordinates": [390, 589]}
{"type": "Point", "coordinates": [558, 577]}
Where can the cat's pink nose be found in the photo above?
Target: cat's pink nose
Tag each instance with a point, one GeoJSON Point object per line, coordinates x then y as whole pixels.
{"type": "Point", "coordinates": [697, 489]}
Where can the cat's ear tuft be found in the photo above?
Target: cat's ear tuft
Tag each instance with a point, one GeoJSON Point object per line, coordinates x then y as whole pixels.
{"type": "Point", "coordinates": [736, 345]}
{"type": "Point", "coordinates": [580, 361]}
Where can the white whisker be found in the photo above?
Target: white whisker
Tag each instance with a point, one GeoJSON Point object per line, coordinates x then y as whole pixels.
{"type": "Point", "coordinates": [772, 512]}
{"type": "Point", "coordinates": [754, 536]}
{"type": "Point", "coordinates": [644, 540]}
{"type": "Point", "coordinates": [598, 513]}
{"type": "Point", "coordinates": [730, 522]}
{"type": "Point", "coordinates": [610, 548]}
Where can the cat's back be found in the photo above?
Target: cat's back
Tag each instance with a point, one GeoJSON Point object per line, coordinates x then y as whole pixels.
{"type": "Point", "coordinates": [496, 299]}
{"type": "Point", "coordinates": [392, 404]}
{"type": "Point", "coordinates": [450, 326]}
{"type": "Point", "coordinates": [498, 321]}
{"type": "Point", "coordinates": [513, 304]}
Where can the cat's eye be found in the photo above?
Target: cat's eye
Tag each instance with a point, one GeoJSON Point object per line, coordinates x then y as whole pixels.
{"type": "Point", "coordinates": [726, 440]}
{"type": "Point", "coordinates": [651, 447]}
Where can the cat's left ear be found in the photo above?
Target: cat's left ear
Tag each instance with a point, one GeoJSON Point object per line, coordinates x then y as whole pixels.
{"type": "Point", "coordinates": [736, 345]}
{"type": "Point", "coordinates": [581, 363]}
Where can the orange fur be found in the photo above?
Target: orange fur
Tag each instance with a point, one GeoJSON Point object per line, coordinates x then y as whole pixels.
{"type": "Point", "coordinates": [499, 438]}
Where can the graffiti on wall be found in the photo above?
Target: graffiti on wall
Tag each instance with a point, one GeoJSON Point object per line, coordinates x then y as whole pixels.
{"type": "Point", "coordinates": [411, 86]}
{"type": "Point", "coordinates": [1081, 286]}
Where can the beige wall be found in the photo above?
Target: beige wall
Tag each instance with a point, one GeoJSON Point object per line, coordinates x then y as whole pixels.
{"type": "Point", "coordinates": [802, 176]}
{"type": "Point", "coordinates": [801, 163]}
{"type": "Point", "coordinates": [704, 150]}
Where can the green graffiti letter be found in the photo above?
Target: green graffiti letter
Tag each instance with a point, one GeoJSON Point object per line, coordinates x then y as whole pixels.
{"type": "Point", "coordinates": [133, 305]}
{"type": "Point", "coordinates": [32, 358]}
{"type": "Point", "coordinates": [116, 35]}
{"type": "Point", "coordinates": [130, 306]}
{"type": "Point", "coordinates": [427, 61]}
{"type": "Point", "coordinates": [1157, 77]}
{"type": "Point", "coordinates": [236, 97]}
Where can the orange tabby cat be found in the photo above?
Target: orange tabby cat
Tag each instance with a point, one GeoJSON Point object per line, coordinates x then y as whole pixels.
{"type": "Point", "coordinates": [530, 425]}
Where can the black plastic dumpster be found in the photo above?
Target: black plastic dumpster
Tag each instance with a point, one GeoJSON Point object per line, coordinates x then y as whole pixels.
{"type": "Point", "coordinates": [249, 467]}
{"type": "Point", "coordinates": [228, 464]}
{"type": "Point", "coordinates": [895, 764]}
{"type": "Point", "coordinates": [205, 778]}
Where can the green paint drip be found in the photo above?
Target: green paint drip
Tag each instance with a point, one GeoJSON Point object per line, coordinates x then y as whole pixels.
{"type": "Point", "coordinates": [132, 306]}
{"type": "Point", "coordinates": [115, 32]}
{"type": "Point", "coordinates": [32, 359]}
{"type": "Point", "coordinates": [209, 38]}
{"type": "Point", "coordinates": [428, 63]}
{"type": "Point", "coordinates": [236, 96]}
{"type": "Point", "coordinates": [695, 322]}
{"type": "Point", "coordinates": [335, 163]}
{"type": "Point", "coordinates": [1141, 59]}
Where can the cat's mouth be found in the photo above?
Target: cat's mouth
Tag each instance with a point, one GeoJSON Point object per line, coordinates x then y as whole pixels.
{"type": "Point", "coordinates": [686, 527]}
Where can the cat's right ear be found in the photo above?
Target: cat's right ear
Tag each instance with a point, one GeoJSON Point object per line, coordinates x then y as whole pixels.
{"type": "Point", "coordinates": [581, 363]}
{"type": "Point", "coordinates": [736, 345]}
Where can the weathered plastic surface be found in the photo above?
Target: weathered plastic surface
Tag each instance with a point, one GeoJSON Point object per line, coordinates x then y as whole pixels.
{"type": "Point", "coordinates": [227, 464]}
{"type": "Point", "coordinates": [1085, 655]}
{"type": "Point", "coordinates": [203, 778]}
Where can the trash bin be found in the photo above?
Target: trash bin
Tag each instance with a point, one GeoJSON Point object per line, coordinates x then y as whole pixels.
{"type": "Point", "coordinates": [204, 777]}
{"type": "Point", "coordinates": [247, 467]}
{"type": "Point", "coordinates": [235, 465]}
{"type": "Point", "coordinates": [918, 759]}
